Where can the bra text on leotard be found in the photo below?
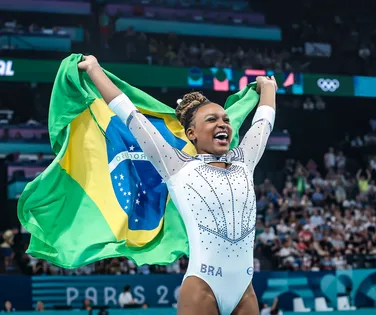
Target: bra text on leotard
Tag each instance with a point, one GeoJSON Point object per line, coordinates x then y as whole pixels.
{"type": "Point", "coordinates": [211, 270]}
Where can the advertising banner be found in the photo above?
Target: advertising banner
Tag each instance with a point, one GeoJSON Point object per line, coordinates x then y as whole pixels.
{"type": "Point", "coordinates": [217, 79]}
{"type": "Point", "coordinates": [358, 286]}
{"type": "Point", "coordinates": [155, 290]}
{"type": "Point", "coordinates": [318, 49]}
{"type": "Point", "coordinates": [322, 84]}
{"type": "Point", "coordinates": [162, 290]}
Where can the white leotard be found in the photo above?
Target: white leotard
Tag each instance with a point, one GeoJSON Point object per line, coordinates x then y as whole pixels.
{"type": "Point", "coordinates": [218, 206]}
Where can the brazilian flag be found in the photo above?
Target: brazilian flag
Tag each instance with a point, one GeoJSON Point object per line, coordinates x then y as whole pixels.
{"type": "Point", "coordinates": [101, 197]}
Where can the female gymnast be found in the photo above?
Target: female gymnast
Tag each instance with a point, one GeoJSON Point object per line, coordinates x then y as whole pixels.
{"type": "Point", "coordinates": [213, 191]}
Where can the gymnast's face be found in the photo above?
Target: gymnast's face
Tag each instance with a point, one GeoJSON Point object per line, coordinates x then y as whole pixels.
{"type": "Point", "coordinates": [210, 130]}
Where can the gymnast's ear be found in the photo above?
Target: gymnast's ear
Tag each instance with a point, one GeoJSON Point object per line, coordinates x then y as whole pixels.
{"type": "Point", "coordinates": [190, 133]}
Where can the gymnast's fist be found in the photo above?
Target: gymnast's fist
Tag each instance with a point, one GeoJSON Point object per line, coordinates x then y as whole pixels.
{"type": "Point", "coordinates": [263, 81]}
{"type": "Point", "coordinates": [88, 63]}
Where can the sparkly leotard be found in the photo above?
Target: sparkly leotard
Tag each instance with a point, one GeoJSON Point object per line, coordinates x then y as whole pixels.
{"type": "Point", "coordinates": [218, 206]}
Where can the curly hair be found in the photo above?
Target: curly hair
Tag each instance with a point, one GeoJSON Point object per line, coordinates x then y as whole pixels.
{"type": "Point", "coordinates": [187, 107]}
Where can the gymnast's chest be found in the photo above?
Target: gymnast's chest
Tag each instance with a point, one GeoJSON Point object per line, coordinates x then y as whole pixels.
{"type": "Point", "coordinates": [208, 187]}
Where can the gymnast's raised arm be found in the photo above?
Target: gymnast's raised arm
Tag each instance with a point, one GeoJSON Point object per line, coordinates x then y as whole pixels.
{"type": "Point", "coordinates": [166, 159]}
{"type": "Point", "coordinates": [254, 142]}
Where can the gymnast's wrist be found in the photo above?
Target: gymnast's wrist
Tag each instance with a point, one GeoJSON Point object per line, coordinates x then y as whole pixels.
{"type": "Point", "coordinates": [92, 67]}
{"type": "Point", "coordinates": [268, 86]}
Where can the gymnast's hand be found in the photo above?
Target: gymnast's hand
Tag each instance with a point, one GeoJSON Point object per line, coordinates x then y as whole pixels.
{"type": "Point", "coordinates": [88, 63]}
{"type": "Point", "coordinates": [265, 81]}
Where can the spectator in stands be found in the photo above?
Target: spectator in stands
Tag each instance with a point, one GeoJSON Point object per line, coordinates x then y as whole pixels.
{"type": "Point", "coordinates": [103, 311]}
{"type": "Point", "coordinates": [316, 219]}
{"type": "Point", "coordinates": [308, 104]}
{"type": "Point", "coordinates": [144, 269]}
{"type": "Point", "coordinates": [39, 307]}
{"type": "Point", "coordinates": [274, 196]}
{"type": "Point", "coordinates": [8, 239]}
{"type": "Point", "coordinates": [318, 197]}
{"type": "Point", "coordinates": [288, 253]}
{"type": "Point", "coordinates": [267, 236]}
{"type": "Point", "coordinates": [340, 161]}
{"type": "Point", "coordinates": [338, 261]}
{"type": "Point", "coordinates": [32, 122]}
{"type": "Point", "coordinates": [127, 266]}
{"type": "Point", "coordinates": [87, 305]}
{"type": "Point", "coordinates": [183, 264]}
{"type": "Point", "coordinates": [273, 310]}
{"type": "Point", "coordinates": [6, 251]}
{"type": "Point", "coordinates": [363, 182]}
{"type": "Point", "coordinates": [8, 307]}
{"type": "Point", "coordinates": [271, 217]}
{"type": "Point", "coordinates": [126, 298]}
{"type": "Point", "coordinates": [173, 268]}
{"type": "Point", "coordinates": [326, 263]}
{"type": "Point", "coordinates": [262, 203]}
{"type": "Point", "coordinates": [330, 159]}
{"type": "Point", "coordinates": [41, 267]}
{"type": "Point", "coordinates": [340, 189]}
{"type": "Point", "coordinates": [114, 267]}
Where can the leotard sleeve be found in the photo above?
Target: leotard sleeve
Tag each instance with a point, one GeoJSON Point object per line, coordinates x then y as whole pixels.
{"type": "Point", "coordinates": [254, 142]}
{"type": "Point", "coordinates": [166, 159]}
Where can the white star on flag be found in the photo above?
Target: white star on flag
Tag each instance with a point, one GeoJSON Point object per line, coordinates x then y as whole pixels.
{"type": "Point", "coordinates": [130, 200]}
{"type": "Point", "coordinates": [131, 148]}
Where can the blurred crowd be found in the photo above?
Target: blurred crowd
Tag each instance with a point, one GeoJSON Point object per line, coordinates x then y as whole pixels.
{"type": "Point", "coordinates": [174, 50]}
{"type": "Point", "coordinates": [14, 27]}
{"type": "Point", "coordinates": [14, 260]}
{"type": "Point", "coordinates": [346, 48]}
{"type": "Point", "coordinates": [177, 50]}
{"type": "Point", "coordinates": [351, 38]}
{"type": "Point", "coordinates": [321, 220]}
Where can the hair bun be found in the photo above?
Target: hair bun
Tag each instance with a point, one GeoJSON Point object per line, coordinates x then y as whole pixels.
{"type": "Point", "coordinates": [189, 102]}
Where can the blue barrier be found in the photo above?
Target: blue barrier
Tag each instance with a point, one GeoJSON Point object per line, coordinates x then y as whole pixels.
{"type": "Point", "coordinates": [368, 311]}
{"type": "Point", "coordinates": [172, 311]}
{"type": "Point", "coordinates": [162, 290]}
{"type": "Point", "coordinates": [25, 147]}
{"type": "Point", "coordinates": [148, 311]}
{"type": "Point", "coordinates": [16, 289]}
{"type": "Point", "coordinates": [37, 42]}
{"type": "Point", "coordinates": [197, 29]}
{"type": "Point", "coordinates": [51, 6]}
{"type": "Point", "coordinates": [155, 290]}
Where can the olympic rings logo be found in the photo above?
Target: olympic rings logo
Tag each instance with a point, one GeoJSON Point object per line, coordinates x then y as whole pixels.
{"type": "Point", "coordinates": [328, 85]}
